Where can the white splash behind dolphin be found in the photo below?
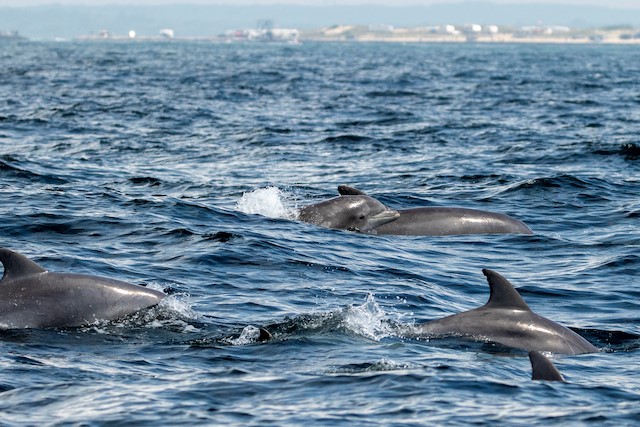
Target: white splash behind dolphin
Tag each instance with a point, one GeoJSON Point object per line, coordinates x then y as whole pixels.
{"type": "Point", "coordinates": [32, 297]}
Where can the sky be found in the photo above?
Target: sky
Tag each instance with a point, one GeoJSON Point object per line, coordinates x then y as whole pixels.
{"type": "Point", "coordinates": [628, 4]}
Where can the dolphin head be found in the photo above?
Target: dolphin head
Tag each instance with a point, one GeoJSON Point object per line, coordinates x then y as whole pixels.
{"type": "Point", "coordinates": [350, 212]}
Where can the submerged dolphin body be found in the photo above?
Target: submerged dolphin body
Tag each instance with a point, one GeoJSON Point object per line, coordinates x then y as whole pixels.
{"type": "Point", "coordinates": [348, 212]}
{"type": "Point", "coordinates": [442, 221]}
{"type": "Point", "coordinates": [31, 297]}
{"type": "Point", "coordinates": [506, 319]}
{"type": "Point", "coordinates": [542, 368]}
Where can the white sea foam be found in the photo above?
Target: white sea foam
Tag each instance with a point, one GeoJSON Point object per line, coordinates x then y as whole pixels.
{"type": "Point", "coordinates": [249, 335]}
{"type": "Point", "coordinates": [368, 320]}
{"type": "Point", "coordinates": [268, 201]}
{"type": "Point", "coordinates": [174, 306]}
{"type": "Point", "coordinates": [172, 312]}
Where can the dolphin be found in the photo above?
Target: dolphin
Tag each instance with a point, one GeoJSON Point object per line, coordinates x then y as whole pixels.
{"type": "Point", "coordinates": [443, 221]}
{"type": "Point", "coordinates": [542, 368]}
{"type": "Point", "coordinates": [506, 319]}
{"type": "Point", "coordinates": [349, 212]}
{"type": "Point", "coordinates": [32, 297]}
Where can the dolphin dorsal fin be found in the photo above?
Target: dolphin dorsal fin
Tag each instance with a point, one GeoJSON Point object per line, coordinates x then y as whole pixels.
{"type": "Point", "coordinates": [345, 190]}
{"type": "Point", "coordinates": [543, 368]}
{"type": "Point", "coordinates": [503, 294]}
{"type": "Point", "coordinates": [17, 265]}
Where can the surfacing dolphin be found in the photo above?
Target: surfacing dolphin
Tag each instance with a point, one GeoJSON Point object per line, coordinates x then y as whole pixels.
{"type": "Point", "coordinates": [32, 297]}
{"type": "Point", "coordinates": [442, 221]}
{"type": "Point", "coordinates": [349, 212]}
{"type": "Point", "coordinates": [506, 319]}
{"type": "Point", "coordinates": [542, 368]}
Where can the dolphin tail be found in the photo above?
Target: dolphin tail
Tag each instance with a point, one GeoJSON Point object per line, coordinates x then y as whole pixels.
{"type": "Point", "coordinates": [543, 368]}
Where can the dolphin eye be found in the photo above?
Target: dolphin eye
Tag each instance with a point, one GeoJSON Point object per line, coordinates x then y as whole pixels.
{"type": "Point", "coordinates": [361, 216]}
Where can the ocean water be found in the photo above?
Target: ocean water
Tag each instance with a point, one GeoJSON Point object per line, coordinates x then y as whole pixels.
{"type": "Point", "coordinates": [180, 166]}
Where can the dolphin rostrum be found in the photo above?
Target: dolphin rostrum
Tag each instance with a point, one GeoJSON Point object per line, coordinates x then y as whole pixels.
{"type": "Point", "coordinates": [542, 368]}
{"type": "Point", "coordinates": [506, 319]}
{"type": "Point", "coordinates": [32, 297]}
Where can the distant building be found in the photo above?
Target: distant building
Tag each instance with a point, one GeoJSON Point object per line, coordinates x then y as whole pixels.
{"type": "Point", "coordinates": [491, 29]}
{"type": "Point", "coordinates": [444, 29]}
{"type": "Point", "coordinates": [286, 35]}
{"type": "Point", "coordinates": [381, 28]}
{"type": "Point", "coordinates": [473, 28]}
{"type": "Point", "coordinates": [10, 35]}
{"type": "Point", "coordinates": [559, 29]}
{"type": "Point", "coordinates": [537, 30]}
{"type": "Point", "coordinates": [167, 33]}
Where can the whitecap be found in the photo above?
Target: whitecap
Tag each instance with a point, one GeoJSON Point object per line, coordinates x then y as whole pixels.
{"type": "Point", "coordinates": [368, 320]}
{"type": "Point", "coordinates": [268, 201]}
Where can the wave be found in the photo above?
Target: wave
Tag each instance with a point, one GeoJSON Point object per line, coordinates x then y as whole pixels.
{"type": "Point", "coordinates": [145, 180]}
{"type": "Point", "coordinates": [8, 169]}
{"type": "Point", "coordinates": [383, 365]}
{"type": "Point", "coordinates": [393, 93]}
{"type": "Point", "coordinates": [630, 151]}
{"type": "Point", "coordinates": [367, 320]}
{"type": "Point", "coordinates": [346, 139]}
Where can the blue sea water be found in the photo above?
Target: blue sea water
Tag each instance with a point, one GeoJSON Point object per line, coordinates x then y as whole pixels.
{"type": "Point", "coordinates": [181, 165]}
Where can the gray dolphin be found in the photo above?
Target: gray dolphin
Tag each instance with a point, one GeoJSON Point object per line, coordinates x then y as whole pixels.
{"type": "Point", "coordinates": [349, 212]}
{"type": "Point", "coordinates": [442, 221]}
{"type": "Point", "coordinates": [542, 368]}
{"type": "Point", "coordinates": [506, 319]}
{"type": "Point", "coordinates": [31, 297]}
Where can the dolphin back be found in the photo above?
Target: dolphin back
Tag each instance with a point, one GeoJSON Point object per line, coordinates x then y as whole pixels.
{"type": "Point", "coordinates": [444, 221]}
{"type": "Point", "coordinates": [31, 297]}
{"type": "Point", "coordinates": [506, 319]}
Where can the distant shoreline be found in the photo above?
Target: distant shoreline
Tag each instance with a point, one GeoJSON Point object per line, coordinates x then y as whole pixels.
{"type": "Point", "coordinates": [486, 40]}
{"type": "Point", "coordinates": [383, 22]}
{"type": "Point", "coordinates": [504, 39]}
{"type": "Point", "coordinates": [418, 35]}
{"type": "Point", "coordinates": [361, 34]}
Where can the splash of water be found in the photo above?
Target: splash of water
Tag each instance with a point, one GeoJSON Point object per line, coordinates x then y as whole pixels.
{"type": "Point", "coordinates": [249, 335]}
{"type": "Point", "coordinates": [269, 202]}
{"type": "Point", "coordinates": [368, 320]}
{"type": "Point", "coordinates": [175, 306]}
{"type": "Point", "coordinates": [383, 365]}
{"type": "Point", "coordinates": [171, 313]}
